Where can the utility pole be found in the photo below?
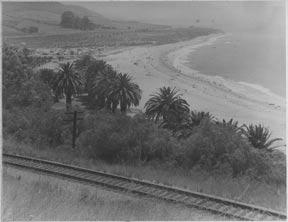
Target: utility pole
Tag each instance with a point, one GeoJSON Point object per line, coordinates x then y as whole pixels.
{"type": "Point", "coordinates": [74, 130]}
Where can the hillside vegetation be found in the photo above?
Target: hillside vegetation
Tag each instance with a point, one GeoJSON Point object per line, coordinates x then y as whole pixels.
{"type": "Point", "coordinates": [39, 25]}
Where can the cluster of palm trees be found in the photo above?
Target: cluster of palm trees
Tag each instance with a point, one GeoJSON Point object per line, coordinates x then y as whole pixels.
{"type": "Point", "coordinates": [106, 87]}
{"type": "Point", "coordinates": [111, 89]}
{"type": "Point", "coordinates": [171, 111]}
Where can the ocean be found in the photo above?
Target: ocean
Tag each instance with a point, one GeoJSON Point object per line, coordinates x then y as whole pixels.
{"type": "Point", "coordinates": [257, 58]}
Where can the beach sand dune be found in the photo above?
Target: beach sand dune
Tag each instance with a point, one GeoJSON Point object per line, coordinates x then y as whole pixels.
{"type": "Point", "coordinates": [155, 66]}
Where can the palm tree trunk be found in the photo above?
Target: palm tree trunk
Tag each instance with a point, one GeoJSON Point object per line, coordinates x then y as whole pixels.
{"type": "Point", "coordinates": [114, 106]}
{"type": "Point", "coordinates": [122, 107]}
{"type": "Point", "coordinates": [56, 98]}
{"type": "Point", "coordinates": [68, 102]}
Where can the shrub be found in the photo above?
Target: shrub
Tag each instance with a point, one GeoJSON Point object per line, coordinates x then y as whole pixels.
{"type": "Point", "coordinates": [122, 138]}
{"type": "Point", "coordinates": [20, 86]}
{"type": "Point", "coordinates": [212, 146]}
{"type": "Point", "coordinates": [30, 29]}
{"type": "Point", "coordinates": [193, 119]}
{"type": "Point", "coordinates": [35, 126]}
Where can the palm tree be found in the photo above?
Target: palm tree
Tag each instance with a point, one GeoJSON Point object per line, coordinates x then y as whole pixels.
{"type": "Point", "coordinates": [93, 70]}
{"type": "Point", "coordinates": [197, 117]}
{"type": "Point", "coordinates": [103, 83]}
{"type": "Point", "coordinates": [168, 106]}
{"type": "Point", "coordinates": [113, 89]}
{"type": "Point", "coordinates": [124, 92]}
{"type": "Point", "coordinates": [259, 136]}
{"type": "Point", "coordinates": [67, 82]}
{"type": "Point", "coordinates": [191, 120]}
{"type": "Point", "coordinates": [231, 125]}
{"type": "Point", "coordinates": [84, 62]}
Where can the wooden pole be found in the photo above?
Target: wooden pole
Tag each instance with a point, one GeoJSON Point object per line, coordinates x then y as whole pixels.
{"type": "Point", "coordinates": [74, 129]}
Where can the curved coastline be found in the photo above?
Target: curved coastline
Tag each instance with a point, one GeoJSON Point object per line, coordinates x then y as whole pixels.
{"type": "Point", "coordinates": [177, 59]}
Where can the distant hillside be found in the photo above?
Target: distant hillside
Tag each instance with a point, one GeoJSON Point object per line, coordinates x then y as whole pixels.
{"type": "Point", "coordinates": [37, 25]}
{"type": "Point", "coordinates": [46, 17]}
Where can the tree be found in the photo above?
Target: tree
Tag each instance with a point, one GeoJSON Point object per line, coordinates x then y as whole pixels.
{"type": "Point", "coordinates": [104, 81]}
{"type": "Point", "coordinates": [48, 77]}
{"type": "Point", "coordinates": [194, 118]}
{"type": "Point", "coordinates": [89, 68]}
{"type": "Point", "coordinates": [197, 117]}
{"type": "Point", "coordinates": [67, 82]}
{"type": "Point", "coordinates": [20, 87]}
{"type": "Point", "coordinates": [84, 62]}
{"type": "Point", "coordinates": [85, 23]}
{"type": "Point", "coordinates": [259, 136]}
{"type": "Point", "coordinates": [231, 124]}
{"type": "Point", "coordinates": [101, 70]}
{"type": "Point", "coordinates": [168, 106]}
{"type": "Point", "coordinates": [67, 19]}
{"type": "Point", "coordinates": [77, 24]}
{"type": "Point", "coordinates": [124, 92]}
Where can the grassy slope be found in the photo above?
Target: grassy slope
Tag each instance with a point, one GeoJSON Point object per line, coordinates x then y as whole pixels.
{"type": "Point", "coordinates": [241, 189]}
{"type": "Point", "coordinates": [35, 197]}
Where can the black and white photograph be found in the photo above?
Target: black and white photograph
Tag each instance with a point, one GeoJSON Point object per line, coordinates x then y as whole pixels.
{"type": "Point", "coordinates": [143, 110]}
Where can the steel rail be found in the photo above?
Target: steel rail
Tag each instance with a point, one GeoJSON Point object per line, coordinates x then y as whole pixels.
{"type": "Point", "coordinates": [214, 204]}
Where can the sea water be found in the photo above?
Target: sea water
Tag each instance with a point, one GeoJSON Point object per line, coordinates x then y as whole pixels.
{"type": "Point", "coordinates": [251, 57]}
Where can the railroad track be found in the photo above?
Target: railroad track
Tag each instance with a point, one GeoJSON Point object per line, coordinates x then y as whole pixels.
{"type": "Point", "coordinates": [221, 206]}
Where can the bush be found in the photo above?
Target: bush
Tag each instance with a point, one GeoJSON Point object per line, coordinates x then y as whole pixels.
{"type": "Point", "coordinates": [211, 146]}
{"type": "Point", "coordinates": [274, 170]}
{"type": "Point", "coordinates": [122, 138]}
{"type": "Point", "coordinates": [20, 86]}
{"type": "Point", "coordinates": [185, 128]}
{"type": "Point", "coordinates": [30, 29]}
{"type": "Point", "coordinates": [35, 126]}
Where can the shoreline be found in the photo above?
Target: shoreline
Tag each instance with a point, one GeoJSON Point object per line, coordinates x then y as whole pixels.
{"type": "Point", "coordinates": [178, 61]}
{"type": "Point", "coordinates": [152, 67]}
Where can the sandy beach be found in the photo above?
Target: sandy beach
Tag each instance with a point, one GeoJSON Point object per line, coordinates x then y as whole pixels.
{"type": "Point", "coordinates": [155, 66]}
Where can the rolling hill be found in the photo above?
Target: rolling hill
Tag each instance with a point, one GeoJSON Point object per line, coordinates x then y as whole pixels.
{"type": "Point", "coordinates": [46, 17]}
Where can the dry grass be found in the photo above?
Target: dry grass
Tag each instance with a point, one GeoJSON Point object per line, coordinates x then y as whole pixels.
{"type": "Point", "coordinates": [241, 189]}
{"type": "Point", "coordinates": [30, 196]}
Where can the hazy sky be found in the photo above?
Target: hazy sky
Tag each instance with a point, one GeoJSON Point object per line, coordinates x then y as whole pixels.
{"type": "Point", "coordinates": [227, 15]}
